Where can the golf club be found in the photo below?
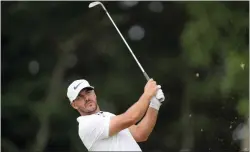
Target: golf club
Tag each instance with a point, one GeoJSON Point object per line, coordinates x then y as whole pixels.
{"type": "Point", "coordinates": [93, 4]}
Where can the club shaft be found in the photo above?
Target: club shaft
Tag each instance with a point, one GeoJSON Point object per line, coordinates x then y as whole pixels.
{"type": "Point", "coordinates": [143, 71]}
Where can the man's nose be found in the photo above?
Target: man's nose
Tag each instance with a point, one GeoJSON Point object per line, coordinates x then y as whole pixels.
{"type": "Point", "coordinates": [86, 98]}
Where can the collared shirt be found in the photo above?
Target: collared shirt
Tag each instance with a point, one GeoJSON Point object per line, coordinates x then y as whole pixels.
{"type": "Point", "coordinates": [94, 133]}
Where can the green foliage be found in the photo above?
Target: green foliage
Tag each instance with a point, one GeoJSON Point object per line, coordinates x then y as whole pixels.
{"type": "Point", "coordinates": [197, 52]}
{"type": "Point", "coordinates": [243, 107]}
{"type": "Point", "coordinates": [215, 45]}
{"type": "Point", "coordinates": [215, 38]}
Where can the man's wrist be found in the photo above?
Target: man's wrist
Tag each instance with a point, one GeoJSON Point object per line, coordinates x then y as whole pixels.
{"type": "Point", "coordinates": [147, 96]}
{"type": "Point", "coordinates": [154, 103]}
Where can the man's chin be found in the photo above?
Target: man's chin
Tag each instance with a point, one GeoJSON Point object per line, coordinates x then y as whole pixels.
{"type": "Point", "coordinates": [92, 109]}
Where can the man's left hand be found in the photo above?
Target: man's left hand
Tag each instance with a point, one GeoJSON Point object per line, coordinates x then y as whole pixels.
{"type": "Point", "coordinates": [157, 100]}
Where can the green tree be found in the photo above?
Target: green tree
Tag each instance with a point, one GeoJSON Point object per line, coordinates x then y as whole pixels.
{"type": "Point", "coordinates": [215, 50]}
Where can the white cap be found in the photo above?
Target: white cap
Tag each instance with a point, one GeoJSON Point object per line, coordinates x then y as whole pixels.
{"type": "Point", "coordinates": [75, 88]}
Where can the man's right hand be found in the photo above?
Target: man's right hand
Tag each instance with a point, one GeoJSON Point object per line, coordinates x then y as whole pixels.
{"type": "Point", "coordinates": [150, 88]}
{"type": "Point", "coordinates": [154, 92]}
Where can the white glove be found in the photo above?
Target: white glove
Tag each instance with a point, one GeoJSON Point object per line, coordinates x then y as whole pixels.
{"type": "Point", "coordinates": [160, 95]}
{"type": "Point", "coordinates": [157, 100]}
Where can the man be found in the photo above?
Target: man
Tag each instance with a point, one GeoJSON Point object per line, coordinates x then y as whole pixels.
{"type": "Point", "coordinates": [104, 131]}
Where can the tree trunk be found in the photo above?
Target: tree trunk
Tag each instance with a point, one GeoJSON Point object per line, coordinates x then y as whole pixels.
{"type": "Point", "coordinates": [53, 96]}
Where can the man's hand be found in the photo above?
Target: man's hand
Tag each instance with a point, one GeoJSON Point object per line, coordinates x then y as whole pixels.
{"type": "Point", "coordinates": [160, 95]}
{"type": "Point", "coordinates": [150, 88]}
{"type": "Point", "coordinates": [157, 100]}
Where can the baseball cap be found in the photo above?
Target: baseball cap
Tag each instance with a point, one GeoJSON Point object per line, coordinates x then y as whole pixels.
{"type": "Point", "coordinates": [75, 87]}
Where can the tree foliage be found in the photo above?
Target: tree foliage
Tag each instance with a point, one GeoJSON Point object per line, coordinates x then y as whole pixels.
{"type": "Point", "coordinates": [197, 52]}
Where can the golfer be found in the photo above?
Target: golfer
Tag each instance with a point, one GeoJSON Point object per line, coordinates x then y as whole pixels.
{"type": "Point", "coordinates": [104, 131]}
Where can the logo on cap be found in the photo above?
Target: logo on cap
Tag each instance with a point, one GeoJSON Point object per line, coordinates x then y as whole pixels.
{"type": "Point", "coordinates": [75, 87]}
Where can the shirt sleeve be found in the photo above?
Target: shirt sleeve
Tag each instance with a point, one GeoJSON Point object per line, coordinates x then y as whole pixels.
{"type": "Point", "coordinates": [92, 129]}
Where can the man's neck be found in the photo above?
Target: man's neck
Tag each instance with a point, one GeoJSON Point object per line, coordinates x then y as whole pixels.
{"type": "Point", "coordinates": [90, 113]}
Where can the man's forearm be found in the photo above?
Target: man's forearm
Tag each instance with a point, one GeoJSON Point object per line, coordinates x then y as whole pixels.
{"type": "Point", "coordinates": [147, 124]}
{"type": "Point", "coordinates": [137, 110]}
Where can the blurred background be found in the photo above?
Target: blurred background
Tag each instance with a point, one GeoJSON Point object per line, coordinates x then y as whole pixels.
{"type": "Point", "coordinates": [197, 51]}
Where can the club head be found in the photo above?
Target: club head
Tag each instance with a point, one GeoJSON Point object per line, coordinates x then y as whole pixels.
{"type": "Point", "coordinates": [93, 4]}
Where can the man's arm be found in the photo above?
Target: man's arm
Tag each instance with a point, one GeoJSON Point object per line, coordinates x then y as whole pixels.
{"type": "Point", "coordinates": [135, 112]}
{"type": "Point", "coordinates": [142, 130]}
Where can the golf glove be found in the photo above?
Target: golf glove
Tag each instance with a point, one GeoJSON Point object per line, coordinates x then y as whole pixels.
{"type": "Point", "coordinates": [157, 100]}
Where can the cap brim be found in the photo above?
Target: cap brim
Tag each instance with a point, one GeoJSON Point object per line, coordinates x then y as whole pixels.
{"type": "Point", "coordinates": [90, 87]}
{"type": "Point", "coordinates": [82, 88]}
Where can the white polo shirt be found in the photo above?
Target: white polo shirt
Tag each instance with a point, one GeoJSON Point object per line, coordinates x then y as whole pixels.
{"type": "Point", "coordinates": [94, 133]}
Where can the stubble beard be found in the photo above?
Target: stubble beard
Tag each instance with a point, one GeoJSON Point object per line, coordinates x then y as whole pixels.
{"type": "Point", "coordinates": [87, 111]}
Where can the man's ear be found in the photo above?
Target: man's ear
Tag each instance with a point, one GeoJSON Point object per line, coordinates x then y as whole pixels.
{"type": "Point", "coordinates": [73, 104]}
